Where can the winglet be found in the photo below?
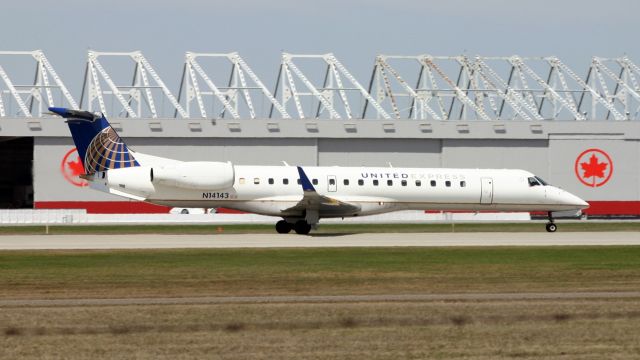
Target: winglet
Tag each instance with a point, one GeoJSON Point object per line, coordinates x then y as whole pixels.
{"type": "Point", "coordinates": [304, 180]}
{"type": "Point", "coordinates": [76, 114]}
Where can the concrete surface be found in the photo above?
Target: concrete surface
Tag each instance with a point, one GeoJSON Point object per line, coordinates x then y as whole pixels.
{"type": "Point", "coordinates": [160, 241]}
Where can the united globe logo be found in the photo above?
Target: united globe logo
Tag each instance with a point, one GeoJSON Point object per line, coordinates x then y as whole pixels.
{"type": "Point", "coordinates": [107, 151]}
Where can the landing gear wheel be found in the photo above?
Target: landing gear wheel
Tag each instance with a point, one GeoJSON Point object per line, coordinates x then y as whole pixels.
{"type": "Point", "coordinates": [551, 227]}
{"type": "Point", "coordinates": [283, 227]}
{"type": "Point", "coordinates": [302, 227]}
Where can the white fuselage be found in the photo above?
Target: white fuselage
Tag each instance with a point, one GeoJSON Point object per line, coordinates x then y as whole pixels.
{"type": "Point", "coordinates": [276, 190]}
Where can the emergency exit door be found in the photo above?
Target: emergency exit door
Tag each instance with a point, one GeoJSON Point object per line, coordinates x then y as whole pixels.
{"type": "Point", "coordinates": [486, 191]}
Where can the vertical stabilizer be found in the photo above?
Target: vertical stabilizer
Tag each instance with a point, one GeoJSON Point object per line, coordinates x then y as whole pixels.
{"type": "Point", "coordinates": [98, 144]}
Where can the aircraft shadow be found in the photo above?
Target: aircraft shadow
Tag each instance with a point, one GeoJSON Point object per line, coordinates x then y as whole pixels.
{"type": "Point", "coordinates": [329, 234]}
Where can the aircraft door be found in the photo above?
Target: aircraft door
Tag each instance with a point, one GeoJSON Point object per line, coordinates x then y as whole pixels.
{"type": "Point", "coordinates": [332, 183]}
{"type": "Point", "coordinates": [486, 191]}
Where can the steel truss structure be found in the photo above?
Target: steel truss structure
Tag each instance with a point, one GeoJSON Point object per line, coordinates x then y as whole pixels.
{"type": "Point", "coordinates": [137, 99]}
{"type": "Point", "coordinates": [331, 98]}
{"type": "Point", "coordinates": [424, 87]}
{"type": "Point", "coordinates": [505, 88]}
{"type": "Point", "coordinates": [29, 100]}
{"type": "Point", "coordinates": [233, 98]}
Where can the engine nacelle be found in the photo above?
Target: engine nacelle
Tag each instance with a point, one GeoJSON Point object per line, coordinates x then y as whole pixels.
{"type": "Point", "coordinates": [202, 175]}
{"type": "Point", "coordinates": [135, 180]}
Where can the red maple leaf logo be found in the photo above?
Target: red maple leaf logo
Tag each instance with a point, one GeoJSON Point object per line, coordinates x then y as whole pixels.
{"type": "Point", "coordinates": [590, 171]}
{"type": "Point", "coordinates": [76, 167]}
{"type": "Point", "coordinates": [593, 168]}
{"type": "Point", "coordinates": [72, 169]}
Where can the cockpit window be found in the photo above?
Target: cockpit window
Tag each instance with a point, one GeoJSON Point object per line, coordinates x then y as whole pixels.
{"type": "Point", "coordinates": [541, 181]}
{"type": "Point", "coordinates": [535, 181]}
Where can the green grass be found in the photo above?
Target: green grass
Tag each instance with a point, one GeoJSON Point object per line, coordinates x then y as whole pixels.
{"type": "Point", "coordinates": [223, 272]}
{"type": "Point", "coordinates": [323, 229]}
{"type": "Point", "coordinates": [579, 328]}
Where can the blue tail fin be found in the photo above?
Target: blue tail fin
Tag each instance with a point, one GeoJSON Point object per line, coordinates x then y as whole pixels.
{"type": "Point", "coordinates": [98, 144]}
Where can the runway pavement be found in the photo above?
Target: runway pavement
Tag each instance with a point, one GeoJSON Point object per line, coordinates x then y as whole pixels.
{"type": "Point", "coordinates": [159, 241]}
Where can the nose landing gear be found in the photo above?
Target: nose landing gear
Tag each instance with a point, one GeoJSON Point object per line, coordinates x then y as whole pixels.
{"type": "Point", "coordinates": [551, 226]}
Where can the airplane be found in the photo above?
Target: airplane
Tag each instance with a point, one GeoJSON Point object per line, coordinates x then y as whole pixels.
{"type": "Point", "coordinates": [302, 195]}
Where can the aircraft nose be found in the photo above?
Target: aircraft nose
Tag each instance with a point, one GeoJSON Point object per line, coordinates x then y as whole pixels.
{"type": "Point", "coordinates": [573, 200]}
{"type": "Point", "coordinates": [562, 197]}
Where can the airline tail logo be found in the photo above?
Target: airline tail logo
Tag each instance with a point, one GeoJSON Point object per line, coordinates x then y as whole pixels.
{"type": "Point", "coordinates": [71, 168]}
{"type": "Point", "coordinates": [107, 151]}
{"type": "Point", "coordinates": [98, 145]}
{"type": "Point", "coordinates": [593, 167]}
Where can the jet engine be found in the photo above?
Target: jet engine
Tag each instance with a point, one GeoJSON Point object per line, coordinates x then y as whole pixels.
{"type": "Point", "coordinates": [130, 180]}
{"type": "Point", "coordinates": [202, 175]}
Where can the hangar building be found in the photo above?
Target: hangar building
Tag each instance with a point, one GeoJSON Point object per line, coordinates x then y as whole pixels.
{"type": "Point", "coordinates": [579, 132]}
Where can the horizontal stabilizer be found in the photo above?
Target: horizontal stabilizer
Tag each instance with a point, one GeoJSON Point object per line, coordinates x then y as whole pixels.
{"type": "Point", "coordinates": [126, 195]}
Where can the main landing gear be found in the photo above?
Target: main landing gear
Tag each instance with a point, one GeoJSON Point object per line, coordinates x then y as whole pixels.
{"type": "Point", "coordinates": [551, 226]}
{"type": "Point", "coordinates": [283, 227]}
{"type": "Point", "coordinates": [300, 227]}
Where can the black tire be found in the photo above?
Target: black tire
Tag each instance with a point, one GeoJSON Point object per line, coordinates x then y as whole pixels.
{"type": "Point", "coordinates": [301, 227]}
{"type": "Point", "coordinates": [184, 212]}
{"type": "Point", "coordinates": [283, 227]}
{"type": "Point", "coordinates": [551, 227]}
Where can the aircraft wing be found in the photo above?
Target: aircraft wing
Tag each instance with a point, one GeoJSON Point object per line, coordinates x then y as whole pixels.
{"type": "Point", "coordinates": [312, 202]}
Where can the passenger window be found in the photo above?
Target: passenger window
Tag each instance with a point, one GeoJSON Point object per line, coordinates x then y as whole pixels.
{"type": "Point", "coordinates": [463, 183]}
{"type": "Point", "coordinates": [241, 181]}
{"type": "Point", "coordinates": [447, 183]}
{"type": "Point", "coordinates": [433, 183]}
{"type": "Point", "coordinates": [360, 182]}
{"type": "Point", "coordinates": [332, 181]}
{"type": "Point", "coordinates": [418, 182]}
{"type": "Point", "coordinates": [404, 182]}
{"type": "Point", "coordinates": [270, 181]}
{"type": "Point", "coordinates": [390, 182]}
{"type": "Point", "coordinates": [285, 181]}
{"type": "Point", "coordinates": [315, 181]}
{"type": "Point", "coordinates": [256, 181]}
{"type": "Point", "coordinates": [346, 181]}
{"type": "Point", "coordinates": [375, 182]}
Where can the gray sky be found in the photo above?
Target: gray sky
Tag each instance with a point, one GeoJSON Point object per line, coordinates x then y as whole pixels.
{"type": "Point", "coordinates": [354, 30]}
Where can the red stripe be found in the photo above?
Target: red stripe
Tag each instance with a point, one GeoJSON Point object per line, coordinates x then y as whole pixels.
{"type": "Point", "coordinates": [468, 212]}
{"type": "Point", "coordinates": [595, 208]}
{"type": "Point", "coordinates": [613, 208]}
{"type": "Point", "coordinates": [229, 211]}
{"type": "Point", "coordinates": [136, 207]}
